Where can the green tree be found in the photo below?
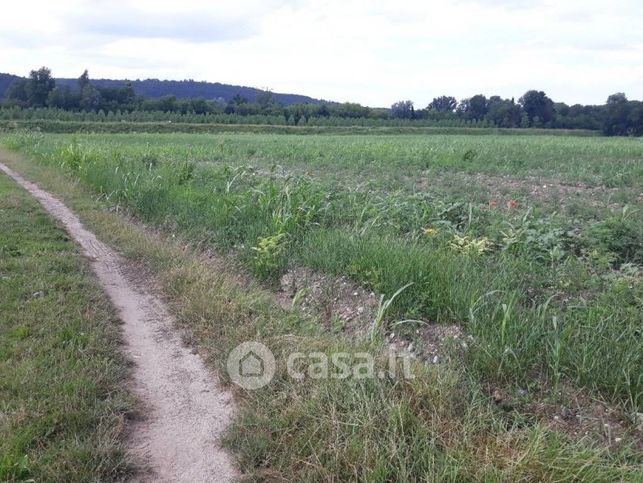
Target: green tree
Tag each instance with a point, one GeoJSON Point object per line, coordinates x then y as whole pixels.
{"type": "Point", "coordinates": [539, 107]}
{"type": "Point", "coordinates": [265, 99]}
{"type": "Point", "coordinates": [443, 104]}
{"type": "Point", "coordinates": [199, 105]}
{"type": "Point", "coordinates": [323, 110]}
{"type": "Point", "coordinates": [503, 112]}
{"type": "Point", "coordinates": [402, 110]}
{"type": "Point", "coordinates": [474, 108]}
{"type": "Point", "coordinates": [617, 112]}
{"type": "Point", "coordinates": [618, 98]}
{"type": "Point", "coordinates": [352, 110]}
{"type": "Point", "coordinates": [83, 80]}
{"type": "Point", "coordinates": [478, 107]}
{"type": "Point", "coordinates": [63, 98]}
{"type": "Point", "coordinates": [635, 118]}
{"type": "Point", "coordinates": [38, 87]}
{"type": "Point", "coordinates": [168, 104]}
{"type": "Point", "coordinates": [90, 98]}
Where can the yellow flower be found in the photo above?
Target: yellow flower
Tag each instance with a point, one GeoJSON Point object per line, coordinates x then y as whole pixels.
{"type": "Point", "coordinates": [430, 231]}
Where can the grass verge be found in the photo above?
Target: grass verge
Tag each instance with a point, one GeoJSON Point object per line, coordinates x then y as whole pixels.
{"type": "Point", "coordinates": [438, 426]}
{"type": "Point", "coordinates": [61, 371]}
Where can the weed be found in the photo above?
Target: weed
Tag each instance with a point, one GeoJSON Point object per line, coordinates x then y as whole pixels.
{"type": "Point", "coordinates": [464, 244]}
{"type": "Point", "coordinates": [378, 327]}
{"type": "Point", "coordinates": [268, 251]}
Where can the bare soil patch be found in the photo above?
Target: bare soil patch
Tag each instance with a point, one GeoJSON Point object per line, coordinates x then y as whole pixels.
{"type": "Point", "coordinates": [502, 189]}
{"type": "Point", "coordinates": [573, 413]}
{"type": "Point", "coordinates": [340, 303]}
{"type": "Point", "coordinates": [344, 306]}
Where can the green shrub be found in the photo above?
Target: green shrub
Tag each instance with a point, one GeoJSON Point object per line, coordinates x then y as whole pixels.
{"type": "Point", "coordinates": [620, 235]}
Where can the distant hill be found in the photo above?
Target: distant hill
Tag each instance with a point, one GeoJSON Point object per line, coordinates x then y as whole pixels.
{"type": "Point", "coordinates": [181, 89]}
{"type": "Point", "coordinates": [5, 81]}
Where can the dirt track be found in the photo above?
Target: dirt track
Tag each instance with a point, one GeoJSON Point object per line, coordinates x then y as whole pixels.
{"type": "Point", "coordinates": [186, 410]}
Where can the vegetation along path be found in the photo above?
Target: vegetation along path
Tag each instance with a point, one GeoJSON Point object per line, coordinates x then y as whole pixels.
{"type": "Point", "coordinates": [186, 409]}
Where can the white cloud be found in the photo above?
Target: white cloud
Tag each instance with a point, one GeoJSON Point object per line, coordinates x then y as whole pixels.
{"type": "Point", "coordinates": [374, 52]}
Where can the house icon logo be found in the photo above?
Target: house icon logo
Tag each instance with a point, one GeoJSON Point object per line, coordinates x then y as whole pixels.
{"type": "Point", "coordinates": [251, 365]}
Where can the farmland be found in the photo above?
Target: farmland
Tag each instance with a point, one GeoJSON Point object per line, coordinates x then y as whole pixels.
{"type": "Point", "coordinates": [529, 245]}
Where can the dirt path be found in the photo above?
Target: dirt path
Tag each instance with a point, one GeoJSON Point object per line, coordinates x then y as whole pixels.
{"type": "Point", "coordinates": [187, 410]}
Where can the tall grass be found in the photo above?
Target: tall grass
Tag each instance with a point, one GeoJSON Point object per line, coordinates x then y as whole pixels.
{"type": "Point", "coordinates": [439, 426]}
{"type": "Point", "coordinates": [533, 301]}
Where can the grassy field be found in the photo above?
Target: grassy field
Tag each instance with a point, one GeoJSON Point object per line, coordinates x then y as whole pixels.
{"type": "Point", "coordinates": [531, 244]}
{"type": "Point", "coordinates": [63, 399]}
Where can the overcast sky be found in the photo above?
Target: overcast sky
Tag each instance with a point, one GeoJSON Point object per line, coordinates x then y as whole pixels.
{"type": "Point", "coordinates": [372, 52]}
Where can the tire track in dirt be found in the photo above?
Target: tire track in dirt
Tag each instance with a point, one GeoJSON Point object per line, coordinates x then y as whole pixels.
{"type": "Point", "coordinates": [186, 408]}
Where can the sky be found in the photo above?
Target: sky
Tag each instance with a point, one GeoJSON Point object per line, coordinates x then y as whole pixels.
{"type": "Point", "coordinates": [367, 51]}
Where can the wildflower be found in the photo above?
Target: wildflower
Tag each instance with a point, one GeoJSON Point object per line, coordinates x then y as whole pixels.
{"type": "Point", "coordinates": [430, 231]}
{"type": "Point", "coordinates": [511, 204]}
{"type": "Point", "coordinates": [493, 204]}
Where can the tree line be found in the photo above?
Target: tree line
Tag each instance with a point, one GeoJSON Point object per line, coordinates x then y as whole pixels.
{"type": "Point", "coordinates": [618, 116]}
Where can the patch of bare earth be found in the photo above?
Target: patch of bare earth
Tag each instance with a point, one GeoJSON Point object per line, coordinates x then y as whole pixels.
{"type": "Point", "coordinates": [185, 410]}
{"type": "Point", "coordinates": [430, 343]}
{"type": "Point", "coordinates": [342, 305]}
{"type": "Point", "coordinates": [501, 189]}
{"type": "Point", "coordinates": [573, 412]}
{"type": "Point", "coordinates": [540, 187]}
{"type": "Point", "coordinates": [339, 303]}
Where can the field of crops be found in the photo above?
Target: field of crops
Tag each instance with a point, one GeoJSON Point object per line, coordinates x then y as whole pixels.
{"type": "Point", "coordinates": [532, 245]}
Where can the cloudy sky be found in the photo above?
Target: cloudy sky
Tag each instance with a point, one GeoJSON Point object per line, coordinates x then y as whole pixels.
{"type": "Point", "coordinates": [367, 51]}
